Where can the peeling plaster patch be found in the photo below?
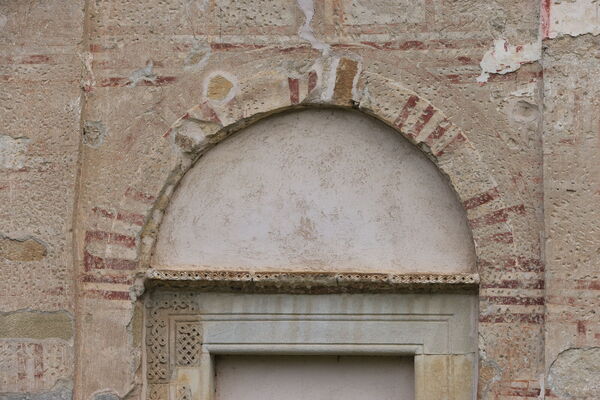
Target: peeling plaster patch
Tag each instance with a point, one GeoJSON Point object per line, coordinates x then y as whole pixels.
{"type": "Point", "coordinates": [199, 4]}
{"type": "Point", "coordinates": [93, 133]}
{"type": "Point", "coordinates": [574, 18]}
{"type": "Point", "coordinates": [220, 87]}
{"type": "Point", "coordinates": [3, 20]}
{"type": "Point", "coordinates": [489, 373]}
{"type": "Point", "coordinates": [306, 32]}
{"type": "Point", "coordinates": [503, 58]}
{"type": "Point", "coordinates": [21, 249]}
{"type": "Point", "coordinates": [574, 374]}
{"type": "Point", "coordinates": [12, 151]}
{"type": "Point", "coordinates": [198, 57]}
{"type": "Point", "coordinates": [145, 74]}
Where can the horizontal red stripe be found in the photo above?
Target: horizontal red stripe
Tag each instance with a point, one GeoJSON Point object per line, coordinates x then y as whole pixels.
{"type": "Point", "coordinates": [107, 294]}
{"type": "Point", "coordinates": [132, 218]}
{"type": "Point", "coordinates": [514, 284]}
{"type": "Point", "coordinates": [110, 238]}
{"type": "Point", "coordinates": [481, 199]}
{"type": "Point", "coordinates": [514, 300]}
{"type": "Point", "coordinates": [497, 216]}
{"type": "Point", "coordinates": [92, 262]}
{"type": "Point", "coordinates": [536, 319]}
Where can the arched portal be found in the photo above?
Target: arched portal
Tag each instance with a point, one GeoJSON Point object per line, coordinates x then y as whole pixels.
{"type": "Point", "coordinates": [325, 191]}
{"type": "Point", "coordinates": [115, 247]}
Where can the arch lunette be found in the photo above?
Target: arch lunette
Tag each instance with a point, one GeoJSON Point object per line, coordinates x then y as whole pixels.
{"type": "Point", "coordinates": [214, 119]}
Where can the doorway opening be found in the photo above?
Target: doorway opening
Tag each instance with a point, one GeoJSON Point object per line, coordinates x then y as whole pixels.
{"type": "Point", "coordinates": [298, 377]}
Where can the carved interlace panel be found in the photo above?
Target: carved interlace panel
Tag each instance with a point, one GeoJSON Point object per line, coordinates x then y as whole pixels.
{"type": "Point", "coordinates": [184, 393]}
{"type": "Point", "coordinates": [158, 392]}
{"type": "Point", "coordinates": [160, 312]}
{"type": "Point", "coordinates": [188, 343]}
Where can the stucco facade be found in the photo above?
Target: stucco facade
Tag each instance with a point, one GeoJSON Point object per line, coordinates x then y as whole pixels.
{"type": "Point", "coordinates": [114, 113]}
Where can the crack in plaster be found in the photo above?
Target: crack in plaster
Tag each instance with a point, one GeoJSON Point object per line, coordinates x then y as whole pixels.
{"type": "Point", "coordinates": [306, 32]}
{"type": "Point", "coordinates": [503, 58]}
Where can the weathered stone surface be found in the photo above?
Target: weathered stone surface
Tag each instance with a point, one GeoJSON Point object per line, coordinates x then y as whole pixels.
{"type": "Point", "coordinates": [106, 396]}
{"type": "Point", "coordinates": [574, 374]}
{"type": "Point", "coordinates": [12, 152]}
{"type": "Point", "coordinates": [93, 133]}
{"type": "Point", "coordinates": [36, 325]}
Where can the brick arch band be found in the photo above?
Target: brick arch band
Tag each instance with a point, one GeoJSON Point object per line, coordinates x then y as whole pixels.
{"type": "Point", "coordinates": [228, 104]}
{"type": "Point", "coordinates": [412, 116]}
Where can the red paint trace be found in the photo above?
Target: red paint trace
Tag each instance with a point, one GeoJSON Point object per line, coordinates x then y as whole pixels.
{"type": "Point", "coordinates": [92, 262]}
{"type": "Point", "coordinates": [408, 106]}
{"type": "Point", "coordinates": [294, 86]}
{"type": "Point", "coordinates": [545, 18]}
{"type": "Point", "coordinates": [482, 198]}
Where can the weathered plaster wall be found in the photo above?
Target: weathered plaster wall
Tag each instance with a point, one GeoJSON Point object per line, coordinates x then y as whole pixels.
{"type": "Point", "coordinates": [572, 190]}
{"type": "Point", "coordinates": [501, 94]}
{"type": "Point", "coordinates": [40, 105]}
{"type": "Point", "coordinates": [318, 190]}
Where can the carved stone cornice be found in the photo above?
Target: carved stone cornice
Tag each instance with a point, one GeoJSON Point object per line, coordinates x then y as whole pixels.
{"type": "Point", "coordinates": [310, 282]}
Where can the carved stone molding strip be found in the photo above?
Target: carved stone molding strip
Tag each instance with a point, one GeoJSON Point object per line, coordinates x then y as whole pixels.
{"type": "Point", "coordinates": [310, 282]}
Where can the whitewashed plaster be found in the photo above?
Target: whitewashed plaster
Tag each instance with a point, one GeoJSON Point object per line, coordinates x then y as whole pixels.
{"type": "Point", "coordinates": [316, 190]}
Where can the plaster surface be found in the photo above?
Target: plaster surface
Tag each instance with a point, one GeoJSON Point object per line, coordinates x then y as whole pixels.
{"type": "Point", "coordinates": [316, 189]}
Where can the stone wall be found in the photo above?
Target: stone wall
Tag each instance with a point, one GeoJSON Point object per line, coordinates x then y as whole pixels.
{"type": "Point", "coordinates": [97, 98]}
